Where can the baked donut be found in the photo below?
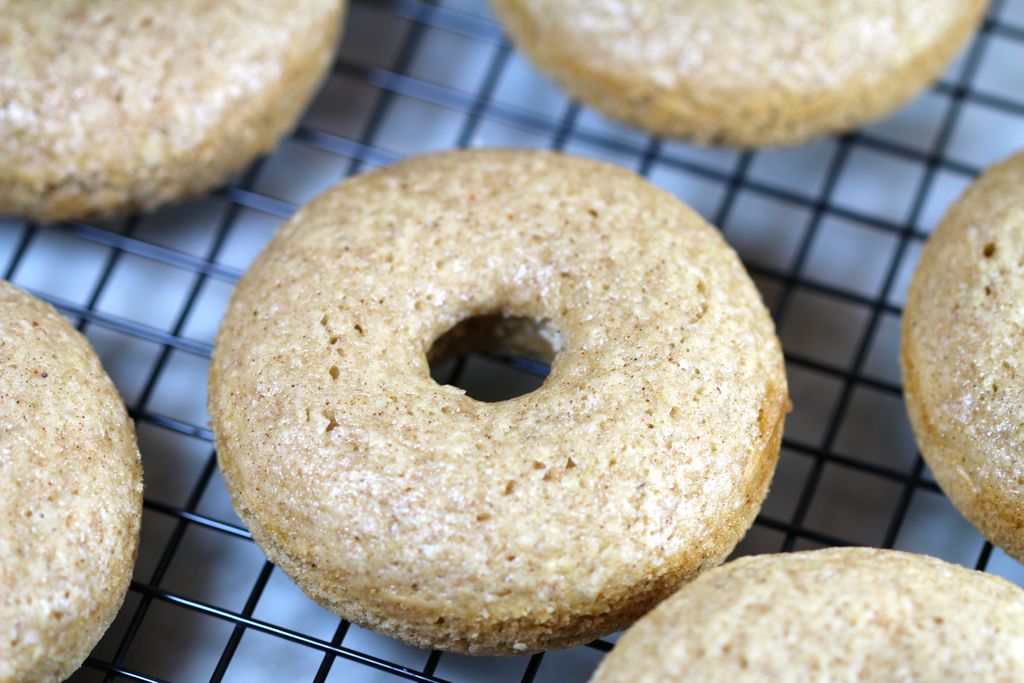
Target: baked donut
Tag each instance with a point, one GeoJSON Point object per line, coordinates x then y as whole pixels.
{"type": "Point", "coordinates": [70, 493]}
{"type": "Point", "coordinates": [842, 614]}
{"type": "Point", "coordinates": [742, 72]}
{"type": "Point", "coordinates": [537, 522]}
{"type": "Point", "coordinates": [962, 360]}
{"type": "Point", "coordinates": [117, 105]}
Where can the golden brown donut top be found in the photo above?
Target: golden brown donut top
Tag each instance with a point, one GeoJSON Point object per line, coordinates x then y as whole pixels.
{"type": "Point", "coordinates": [843, 615]}
{"type": "Point", "coordinates": [744, 72]}
{"type": "Point", "coordinates": [496, 527]}
{"type": "Point", "coordinates": [112, 104]}
{"type": "Point", "coordinates": [963, 358]}
{"type": "Point", "coordinates": [70, 493]}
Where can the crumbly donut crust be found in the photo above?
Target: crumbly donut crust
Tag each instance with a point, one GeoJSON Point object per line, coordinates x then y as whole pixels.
{"type": "Point", "coordinates": [538, 522]}
{"type": "Point", "coordinates": [842, 615]}
{"type": "Point", "coordinates": [742, 72]}
{"type": "Point", "coordinates": [962, 359]}
{"type": "Point", "coordinates": [70, 493]}
{"type": "Point", "coordinates": [111, 105]}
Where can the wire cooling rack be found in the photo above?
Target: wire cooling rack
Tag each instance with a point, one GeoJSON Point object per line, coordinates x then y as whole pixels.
{"type": "Point", "coordinates": [830, 231]}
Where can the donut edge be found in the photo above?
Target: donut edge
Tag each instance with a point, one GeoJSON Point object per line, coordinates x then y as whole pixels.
{"type": "Point", "coordinates": [1000, 523]}
{"type": "Point", "coordinates": [633, 656]}
{"type": "Point", "coordinates": [676, 113]}
{"type": "Point", "coordinates": [251, 130]}
{"type": "Point", "coordinates": [56, 661]}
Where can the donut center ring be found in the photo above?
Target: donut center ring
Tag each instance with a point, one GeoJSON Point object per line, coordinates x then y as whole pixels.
{"type": "Point", "coordinates": [495, 356]}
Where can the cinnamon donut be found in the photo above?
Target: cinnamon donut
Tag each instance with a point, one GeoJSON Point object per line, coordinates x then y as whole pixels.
{"type": "Point", "coordinates": [843, 614]}
{"type": "Point", "coordinates": [70, 493]}
{"type": "Point", "coordinates": [962, 360]}
{"type": "Point", "coordinates": [742, 72]}
{"type": "Point", "coordinates": [538, 522]}
{"type": "Point", "coordinates": [116, 105]}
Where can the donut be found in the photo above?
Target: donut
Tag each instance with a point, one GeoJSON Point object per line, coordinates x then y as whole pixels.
{"type": "Point", "coordinates": [841, 614]}
{"type": "Point", "coordinates": [962, 363]}
{"type": "Point", "coordinates": [70, 493]}
{"type": "Point", "coordinates": [742, 72]}
{"type": "Point", "coordinates": [537, 522]}
{"type": "Point", "coordinates": [109, 106]}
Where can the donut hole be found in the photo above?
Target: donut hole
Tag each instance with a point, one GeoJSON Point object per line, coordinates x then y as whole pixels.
{"type": "Point", "coordinates": [495, 357]}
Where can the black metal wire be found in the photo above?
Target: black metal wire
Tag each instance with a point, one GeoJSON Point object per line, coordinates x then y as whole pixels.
{"type": "Point", "coordinates": [477, 107]}
{"type": "Point", "coordinates": [974, 55]}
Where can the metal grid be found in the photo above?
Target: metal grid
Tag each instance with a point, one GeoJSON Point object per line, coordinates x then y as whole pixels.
{"type": "Point", "coordinates": [830, 232]}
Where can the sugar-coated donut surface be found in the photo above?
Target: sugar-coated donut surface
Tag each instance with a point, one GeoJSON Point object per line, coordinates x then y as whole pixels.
{"type": "Point", "coordinates": [963, 358]}
{"type": "Point", "coordinates": [70, 493]}
{"type": "Point", "coordinates": [541, 521]}
{"type": "Point", "coordinates": [842, 615]}
{"type": "Point", "coordinates": [114, 105]}
{"type": "Point", "coordinates": [742, 72]}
